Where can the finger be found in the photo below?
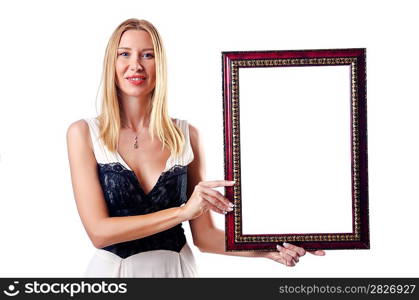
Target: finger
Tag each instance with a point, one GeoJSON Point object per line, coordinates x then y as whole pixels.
{"type": "Point", "coordinates": [214, 201]}
{"type": "Point", "coordinates": [290, 261]}
{"type": "Point", "coordinates": [216, 194]}
{"type": "Point", "coordinates": [291, 253]}
{"type": "Point", "coordinates": [217, 183]}
{"type": "Point", "coordinates": [299, 250]}
{"type": "Point", "coordinates": [211, 203]}
{"type": "Point", "coordinates": [216, 209]}
{"type": "Point", "coordinates": [318, 252]}
{"type": "Point", "coordinates": [219, 196]}
{"type": "Point", "coordinates": [278, 258]}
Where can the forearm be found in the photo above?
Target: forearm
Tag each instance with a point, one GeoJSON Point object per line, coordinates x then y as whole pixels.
{"type": "Point", "coordinates": [214, 242]}
{"type": "Point", "coordinates": [114, 230]}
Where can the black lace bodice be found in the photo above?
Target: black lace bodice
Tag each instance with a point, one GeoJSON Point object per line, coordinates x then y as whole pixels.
{"type": "Point", "coordinates": [125, 197]}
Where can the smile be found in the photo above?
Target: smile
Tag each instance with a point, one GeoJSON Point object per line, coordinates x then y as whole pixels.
{"type": "Point", "coordinates": [136, 80]}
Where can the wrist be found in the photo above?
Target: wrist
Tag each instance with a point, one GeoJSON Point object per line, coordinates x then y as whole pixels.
{"type": "Point", "coordinates": [182, 214]}
{"type": "Point", "coordinates": [264, 254]}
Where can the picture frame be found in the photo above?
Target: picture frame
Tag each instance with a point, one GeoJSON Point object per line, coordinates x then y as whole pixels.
{"type": "Point", "coordinates": [295, 143]}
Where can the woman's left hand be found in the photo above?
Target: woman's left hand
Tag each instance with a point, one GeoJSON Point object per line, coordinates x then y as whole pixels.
{"type": "Point", "coordinates": [289, 254]}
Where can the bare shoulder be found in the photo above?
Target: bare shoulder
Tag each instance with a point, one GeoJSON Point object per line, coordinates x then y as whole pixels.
{"type": "Point", "coordinates": [78, 132]}
{"type": "Point", "coordinates": [78, 127]}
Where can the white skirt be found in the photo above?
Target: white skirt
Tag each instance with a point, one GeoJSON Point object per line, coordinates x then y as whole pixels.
{"type": "Point", "coordinates": [155, 263]}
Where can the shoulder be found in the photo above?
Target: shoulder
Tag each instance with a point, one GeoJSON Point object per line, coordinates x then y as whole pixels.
{"type": "Point", "coordinates": [181, 124]}
{"type": "Point", "coordinates": [187, 128]}
{"type": "Point", "coordinates": [78, 132]}
{"type": "Point", "coordinates": [79, 127]}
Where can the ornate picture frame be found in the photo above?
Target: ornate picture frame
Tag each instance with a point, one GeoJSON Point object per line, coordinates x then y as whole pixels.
{"type": "Point", "coordinates": [295, 143]}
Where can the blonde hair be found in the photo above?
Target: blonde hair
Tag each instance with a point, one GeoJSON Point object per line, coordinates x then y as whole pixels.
{"type": "Point", "coordinates": [110, 119]}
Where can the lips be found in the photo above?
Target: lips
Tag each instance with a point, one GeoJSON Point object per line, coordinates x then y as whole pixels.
{"type": "Point", "coordinates": [136, 79]}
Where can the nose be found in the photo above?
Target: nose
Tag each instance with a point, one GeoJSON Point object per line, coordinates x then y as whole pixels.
{"type": "Point", "coordinates": [135, 65]}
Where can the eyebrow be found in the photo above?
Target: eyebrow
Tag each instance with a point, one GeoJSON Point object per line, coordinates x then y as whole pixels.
{"type": "Point", "coordinates": [146, 49]}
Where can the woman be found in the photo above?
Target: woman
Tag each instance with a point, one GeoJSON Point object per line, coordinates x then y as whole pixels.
{"type": "Point", "coordinates": [137, 174]}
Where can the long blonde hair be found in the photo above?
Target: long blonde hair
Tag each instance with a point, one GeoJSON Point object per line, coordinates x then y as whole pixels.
{"type": "Point", "coordinates": [110, 119]}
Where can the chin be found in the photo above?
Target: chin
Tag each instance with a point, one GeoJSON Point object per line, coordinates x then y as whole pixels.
{"type": "Point", "coordinates": [134, 93]}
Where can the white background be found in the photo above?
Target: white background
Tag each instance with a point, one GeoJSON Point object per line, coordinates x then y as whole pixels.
{"type": "Point", "coordinates": [50, 66]}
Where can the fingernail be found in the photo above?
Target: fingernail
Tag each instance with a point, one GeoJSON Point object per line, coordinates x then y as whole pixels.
{"type": "Point", "coordinates": [232, 181]}
{"type": "Point", "coordinates": [230, 209]}
{"type": "Point", "coordinates": [231, 204]}
{"type": "Point", "coordinates": [278, 247]}
{"type": "Point", "coordinates": [285, 244]}
{"type": "Point", "coordinates": [224, 212]}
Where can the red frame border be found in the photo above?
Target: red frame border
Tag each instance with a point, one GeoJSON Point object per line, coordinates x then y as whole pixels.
{"type": "Point", "coordinates": [360, 54]}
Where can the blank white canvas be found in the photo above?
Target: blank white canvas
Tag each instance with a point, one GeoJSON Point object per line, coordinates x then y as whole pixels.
{"type": "Point", "coordinates": [295, 149]}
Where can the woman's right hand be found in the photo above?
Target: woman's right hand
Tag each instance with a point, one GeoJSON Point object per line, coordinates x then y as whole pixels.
{"type": "Point", "coordinates": [205, 197]}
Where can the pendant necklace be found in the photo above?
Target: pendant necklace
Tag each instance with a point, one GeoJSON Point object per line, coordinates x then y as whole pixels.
{"type": "Point", "coordinates": [136, 142]}
{"type": "Point", "coordinates": [135, 138]}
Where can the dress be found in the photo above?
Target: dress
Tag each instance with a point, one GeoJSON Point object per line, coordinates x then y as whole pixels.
{"type": "Point", "coordinates": [165, 254]}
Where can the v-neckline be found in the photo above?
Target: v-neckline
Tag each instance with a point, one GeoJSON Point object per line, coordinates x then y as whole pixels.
{"type": "Point", "coordinates": [124, 163]}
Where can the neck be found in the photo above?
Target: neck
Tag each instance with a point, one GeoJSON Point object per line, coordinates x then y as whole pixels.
{"type": "Point", "coordinates": [135, 112]}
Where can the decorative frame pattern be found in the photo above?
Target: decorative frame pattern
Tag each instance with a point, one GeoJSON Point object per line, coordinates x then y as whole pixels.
{"type": "Point", "coordinates": [356, 59]}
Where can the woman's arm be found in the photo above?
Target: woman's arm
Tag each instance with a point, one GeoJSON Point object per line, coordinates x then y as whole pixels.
{"type": "Point", "coordinates": [102, 229]}
{"type": "Point", "coordinates": [207, 237]}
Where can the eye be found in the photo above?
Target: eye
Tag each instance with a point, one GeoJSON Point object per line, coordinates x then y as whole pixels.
{"type": "Point", "coordinates": [123, 54]}
{"type": "Point", "coordinates": [148, 55]}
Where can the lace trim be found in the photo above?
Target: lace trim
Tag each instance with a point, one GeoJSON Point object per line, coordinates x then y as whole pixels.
{"type": "Point", "coordinates": [124, 197]}
{"type": "Point", "coordinates": [165, 175]}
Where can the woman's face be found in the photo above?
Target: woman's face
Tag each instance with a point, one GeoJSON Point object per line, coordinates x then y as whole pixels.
{"type": "Point", "coordinates": [135, 64]}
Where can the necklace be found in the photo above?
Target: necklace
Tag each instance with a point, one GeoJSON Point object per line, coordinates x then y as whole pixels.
{"type": "Point", "coordinates": [136, 142]}
{"type": "Point", "coordinates": [135, 137]}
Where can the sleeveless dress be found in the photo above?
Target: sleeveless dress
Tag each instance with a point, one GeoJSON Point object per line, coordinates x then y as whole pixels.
{"type": "Point", "coordinates": [165, 254]}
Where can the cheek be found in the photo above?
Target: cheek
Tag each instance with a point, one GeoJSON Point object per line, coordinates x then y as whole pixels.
{"type": "Point", "coordinates": [152, 68]}
{"type": "Point", "coordinates": [119, 72]}
{"type": "Point", "coordinates": [119, 69]}
{"type": "Point", "coordinates": [153, 72]}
